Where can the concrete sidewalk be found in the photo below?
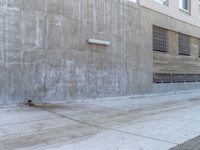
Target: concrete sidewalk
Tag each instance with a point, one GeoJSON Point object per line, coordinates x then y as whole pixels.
{"type": "Point", "coordinates": [129, 123]}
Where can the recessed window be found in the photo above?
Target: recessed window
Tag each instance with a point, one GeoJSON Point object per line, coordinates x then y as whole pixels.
{"type": "Point", "coordinates": [199, 7]}
{"type": "Point", "coordinates": [160, 39]}
{"type": "Point", "coordinates": [162, 2]}
{"type": "Point", "coordinates": [184, 44]}
{"type": "Point", "coordinates": [184, 5]}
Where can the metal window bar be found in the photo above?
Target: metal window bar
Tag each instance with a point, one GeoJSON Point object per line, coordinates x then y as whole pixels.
{"type": "Point", "coordinates": [175, 78]}
{"type": "Point", "coordinates": [184, 44]}
{"type": "Point", "coordinates": [160, 39]}
{"type": "Point", "coordinates": [162, 78]}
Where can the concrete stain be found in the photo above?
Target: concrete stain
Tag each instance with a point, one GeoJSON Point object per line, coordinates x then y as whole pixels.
{"type": "Point", "coordinates": [51, 48]}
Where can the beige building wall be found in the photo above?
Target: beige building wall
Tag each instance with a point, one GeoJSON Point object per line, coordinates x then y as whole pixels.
{"type": "Point", "coordinates": [173, 62]}
{"type": "Point", "coordinates": [173, 10]}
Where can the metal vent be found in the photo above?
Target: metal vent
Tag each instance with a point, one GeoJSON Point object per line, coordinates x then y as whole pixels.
{"type": "Point", "coordinates": [184, 44]}
{"type": "Point", "coordinates": [162, 78]}
{"type": "Point", "coordinates": [175, 78]}
{"type": "Point", "coordinates": [160, 39]}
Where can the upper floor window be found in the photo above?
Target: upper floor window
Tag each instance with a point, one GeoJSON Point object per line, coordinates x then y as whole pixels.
{"type": "Point", "coordinates": [199, 7]}
{"type": "Point", "coordinates": [184, 5]}
{"type": "Point", "coordinates": [163, 2]}
{"type": "Point", "coordinates": [184, 44]}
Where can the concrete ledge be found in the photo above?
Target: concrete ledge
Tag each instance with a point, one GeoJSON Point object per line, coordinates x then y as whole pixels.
{"type": "Point", "coordinates": [175, 87]}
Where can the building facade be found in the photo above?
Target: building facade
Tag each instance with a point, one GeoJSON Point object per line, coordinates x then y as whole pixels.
{"type": "Point", "coordinates": [176, 44]}
{"type": "Point", "coordinates": [63, 50]}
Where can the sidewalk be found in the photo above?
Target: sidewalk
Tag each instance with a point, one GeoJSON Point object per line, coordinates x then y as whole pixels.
{"type": "Point", "coordinates": [154, 122]}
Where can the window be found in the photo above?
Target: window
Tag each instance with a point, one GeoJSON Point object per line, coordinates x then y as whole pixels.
{"type": "Point", "coordinates": [160, 39]}
{"type": "Point", "coordinates": [163, 2]}
{"type": "Point", "coordinates": [184, 44]}
{"type": "Point", "coordinates": [184, 5]}
{"type": "Point", "coordinates": [199, 7]}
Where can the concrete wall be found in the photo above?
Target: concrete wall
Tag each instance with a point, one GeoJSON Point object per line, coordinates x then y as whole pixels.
{"type": "Point", "coordinates": [44, 54]}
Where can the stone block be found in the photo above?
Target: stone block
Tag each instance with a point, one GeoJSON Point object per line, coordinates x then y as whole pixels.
{"type": "Point", "coordinates": [54, 37]}
{"type": "Point", "coordinates": [71, 9]}
{"type": "Point", "coordinates": [13, 57]}
{"type": "Point", "coordinates": [72, 36]}
{"type": "Point", "coordinates": [54, 6]}
{"type": "Point", "coordinates": [2, 83]}
{"type": "Point", "coordinates": [33, 5]}
{"type": "Point", "coordinates": [34, 57]}
{"type": "Point", "coordinates": [33, 32]}
{"type": "Point", "coordinates": [29, 30]}
{"type": "Point", "coordinates": [13, 84]}
{"type": "Point", "coordinates": [14, 4]}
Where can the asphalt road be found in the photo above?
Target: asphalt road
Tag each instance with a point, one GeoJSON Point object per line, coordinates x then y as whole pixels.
{"type": "Point", "coordinates": [193, 144]}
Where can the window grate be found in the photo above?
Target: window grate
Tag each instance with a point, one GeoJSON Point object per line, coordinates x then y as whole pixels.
{"type": "Point", "coordinates": [175, 78]}
{"type": "Point", "coordinates": [184, 44]}
{"type": "Point", "coordinates": [162, 78]}
{"type": "Point", "coordinates": [160, 39]}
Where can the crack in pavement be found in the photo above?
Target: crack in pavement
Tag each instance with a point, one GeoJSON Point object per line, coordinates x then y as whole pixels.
{"type": "Point", "coordinates": [103, 127]}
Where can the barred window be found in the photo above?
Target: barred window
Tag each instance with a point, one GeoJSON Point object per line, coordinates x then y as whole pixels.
{"type": "Point", "coordinates": [161, 78]}
{"type": "Point", "coordinates": [184, 44]}
{"type": "Point", "coordinates": [160, 39]}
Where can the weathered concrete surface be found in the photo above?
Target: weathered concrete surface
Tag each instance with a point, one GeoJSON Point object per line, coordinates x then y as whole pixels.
{"type": "Point", "coordinates": [143, 123]}
{"type": "Point", "coordinates": [44, 55]}
{"type": "Point", "coordinates": [172, 62]}
{"type": "Point", "coordinates": [175, 87]}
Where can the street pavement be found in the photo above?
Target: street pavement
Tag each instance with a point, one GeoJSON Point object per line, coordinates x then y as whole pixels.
{"type": "Point", "coordinates": [148, 122]}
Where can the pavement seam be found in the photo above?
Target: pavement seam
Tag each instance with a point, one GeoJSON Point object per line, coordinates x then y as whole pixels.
{"type": "Point", "coordinates": [12, 124]}
{"type": "Point", "coordinates": [106, 128]}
